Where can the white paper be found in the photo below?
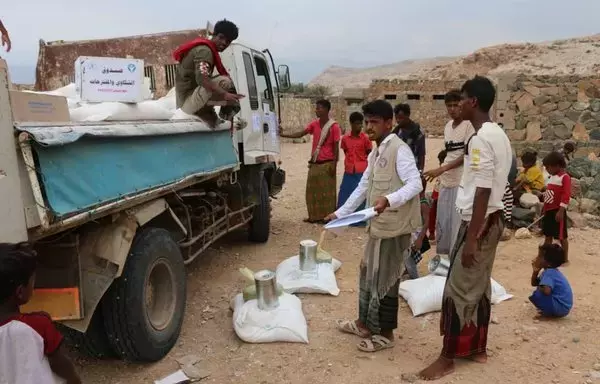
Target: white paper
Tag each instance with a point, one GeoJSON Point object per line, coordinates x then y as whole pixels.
{"type": "Point", "coordinates": [100, 79]}
{"type": "Point", "coordinates": [174, 378]}
{"type": "Point", "coordinates": [353, 218]}
{"type": "Point", "coordinates": [256, 122]}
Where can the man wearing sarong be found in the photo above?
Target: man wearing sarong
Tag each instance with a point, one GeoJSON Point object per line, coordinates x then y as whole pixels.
{"type": "Point", "coordinates": [456, 134]}
{"type": "Point", "coordinates": [466, 301]}
{"type": "Point", "coordinates": [321, 182]}
{"type": "Point", "coordinates": [197, 89]}
{"type": "Point", "coordinates": [391, 184]}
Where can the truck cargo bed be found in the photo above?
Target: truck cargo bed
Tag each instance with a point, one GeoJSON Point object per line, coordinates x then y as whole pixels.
{"type": "Point", "coordinates": [85, 166]}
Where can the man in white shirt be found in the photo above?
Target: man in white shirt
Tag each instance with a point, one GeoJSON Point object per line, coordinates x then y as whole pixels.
{"type": "Point", "coordinates": [456, 134]}
{"type": "Point", "coordinates": [466, 301]}
{"type": "Point", "coordinates": [391, 185]}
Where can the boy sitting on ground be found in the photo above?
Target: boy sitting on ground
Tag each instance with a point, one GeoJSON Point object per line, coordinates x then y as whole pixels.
{"type": "Point", "coordinates": [31, 350]}
{"type": "Point", "coordinates": [553, 296]}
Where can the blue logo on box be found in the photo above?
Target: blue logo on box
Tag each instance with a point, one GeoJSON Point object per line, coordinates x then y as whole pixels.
{"type": "Point", "coordinates": [131, 68]}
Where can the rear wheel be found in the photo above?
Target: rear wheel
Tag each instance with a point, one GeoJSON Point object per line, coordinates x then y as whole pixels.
{"type": "Point", "coordinates": [144, 309]}
{"type": "Point", "coordinates": [260, 225]}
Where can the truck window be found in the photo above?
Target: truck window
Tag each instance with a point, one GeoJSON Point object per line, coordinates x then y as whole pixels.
{"type": "Point", "coordinates": [251, 80]}
{"type": "Point", "coordinates": [264, 82]}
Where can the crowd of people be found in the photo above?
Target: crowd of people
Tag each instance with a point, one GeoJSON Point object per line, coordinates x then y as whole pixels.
{"type": "Point", "coordinates": [475, 186]}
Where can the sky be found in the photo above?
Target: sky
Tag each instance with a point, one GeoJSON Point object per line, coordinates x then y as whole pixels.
{"type": "Point", "coordinates": [308, 35]}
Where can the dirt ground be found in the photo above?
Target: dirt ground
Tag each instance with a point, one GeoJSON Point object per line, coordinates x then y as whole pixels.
{"type": "Point", "coordinates": [522, 350]}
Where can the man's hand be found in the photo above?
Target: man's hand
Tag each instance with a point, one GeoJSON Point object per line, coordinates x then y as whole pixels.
{"type": "Point", "coordinates": [232, 97]}
{"type": "Point", "coordinates": [430, 175]}
{"type": "Point", "coordinates": [331, 216]}
{"type": "Point", "coordinates": [6, 41]}
{"type": "Point", "coordinates": [468, 254]}
{"type": "Point", "coordinates": [381, 204]}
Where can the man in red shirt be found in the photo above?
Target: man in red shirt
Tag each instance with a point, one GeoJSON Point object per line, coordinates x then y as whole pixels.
{"type": "Point", "coordinates": [321, 182]}
{"type": "Point", "coordinates": [356, 146]}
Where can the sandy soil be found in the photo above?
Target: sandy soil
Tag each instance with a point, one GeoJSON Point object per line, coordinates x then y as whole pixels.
{"type": "Point", "coordinates": [522, 350]}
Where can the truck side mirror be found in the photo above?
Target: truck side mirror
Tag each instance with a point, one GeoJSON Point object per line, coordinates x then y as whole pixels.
{"type": "Point", "coordinates": [283, 75]}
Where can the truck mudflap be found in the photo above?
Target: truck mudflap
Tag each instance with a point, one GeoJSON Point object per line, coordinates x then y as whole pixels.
{"type": "Point", "coordinates": [103, 251]}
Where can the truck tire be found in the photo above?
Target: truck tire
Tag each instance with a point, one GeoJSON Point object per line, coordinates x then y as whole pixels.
{"type": "Point", "coordinates": [144, 308]}
{"type": "Point", "coordinates": [260, 225]}
{"type": "Point", "coordinates": [94, 342]}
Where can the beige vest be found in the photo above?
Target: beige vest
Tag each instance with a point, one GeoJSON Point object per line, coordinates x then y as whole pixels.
{"type": "Point", "coordinates": [384, 180]}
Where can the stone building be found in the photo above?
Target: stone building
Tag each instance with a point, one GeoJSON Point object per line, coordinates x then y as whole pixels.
{"type": "Point", "coordinates": [542, 112]}
{"type": "Point", "coordinates": [56, 60]}
{"type": "Point", "coordinates": [425, 97]}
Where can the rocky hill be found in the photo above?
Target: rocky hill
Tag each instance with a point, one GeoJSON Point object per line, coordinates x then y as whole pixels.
{"type": "Point", "coordinates": [577, 56]}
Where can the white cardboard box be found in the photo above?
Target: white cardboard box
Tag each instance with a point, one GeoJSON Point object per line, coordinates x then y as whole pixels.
{"type": "Point", "coordinates": [100, 79]}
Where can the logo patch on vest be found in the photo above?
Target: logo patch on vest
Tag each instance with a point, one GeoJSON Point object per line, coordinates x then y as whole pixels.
{"type": "Point", "coordinates": [382, 162]}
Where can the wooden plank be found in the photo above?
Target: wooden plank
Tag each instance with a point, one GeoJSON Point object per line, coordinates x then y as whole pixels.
{"type": "Point", "coordinates": [60, 303]}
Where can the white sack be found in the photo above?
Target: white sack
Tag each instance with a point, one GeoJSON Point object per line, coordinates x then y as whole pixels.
{"type": "Point", "coordinates": [425, 294]}
{"type": "Point", "coordinates": [114, 111]}
{"type": "Point", "coordinates": [285, 323]}
{"type": "Point", "coordinates": [180, 115]}
{"type": "Point", "coordinates": [294, 280]}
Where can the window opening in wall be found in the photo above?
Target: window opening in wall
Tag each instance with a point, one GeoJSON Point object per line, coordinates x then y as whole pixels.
{"type": "Point", "coordinates": [251, 80]}
{"type": "Point", "coordinates": [170, 73]}
{"type": "Point", "coordinates": [390, 97]}
{"type": "Point", "coordinates": [413, 96]}
{"type": "Point", "coordinates": [263, 82]}
{"type": "Point", "coordinates": [439, 97]}
{"type": "Point", "coordinates": [149, 73]}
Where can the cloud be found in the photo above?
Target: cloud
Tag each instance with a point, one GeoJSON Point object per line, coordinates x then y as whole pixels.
{"type": "Point", "coordinates": [311, 34]}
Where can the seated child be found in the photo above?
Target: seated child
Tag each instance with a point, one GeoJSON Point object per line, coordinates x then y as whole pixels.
{"type": "Point", "coordinates": [420, 242]}
{"type": "Point", "coordinates": [31, 350]}
{"type": "Point", "coordinates": [531, 180]}
{"type": "Point", "coordinates": [434, 199]}
{"type": "Point", "coordinates": [553, 296]}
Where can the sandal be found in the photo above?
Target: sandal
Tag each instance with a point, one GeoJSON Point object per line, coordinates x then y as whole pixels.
{"type": "Point", "coordinates": [375, 344]}
{"type": "Point", "coordinates": [349, 326]}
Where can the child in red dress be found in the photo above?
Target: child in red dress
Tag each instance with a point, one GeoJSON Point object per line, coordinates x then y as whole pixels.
{"type": "Point", "coordinates": [556, 200]}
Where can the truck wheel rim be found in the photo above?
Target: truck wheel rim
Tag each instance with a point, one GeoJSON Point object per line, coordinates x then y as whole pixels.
{"type": "Point", "coordinates": [160, 295]}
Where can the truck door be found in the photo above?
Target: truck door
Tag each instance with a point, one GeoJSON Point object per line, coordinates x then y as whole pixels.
{"type": "Point", "coordinates": [268, 107]}
{"type": "Point", "coordinates": [252, 109]}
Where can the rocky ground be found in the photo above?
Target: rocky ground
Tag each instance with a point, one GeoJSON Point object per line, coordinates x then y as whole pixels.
{"type": "Point", "coordinates": [522, 350]}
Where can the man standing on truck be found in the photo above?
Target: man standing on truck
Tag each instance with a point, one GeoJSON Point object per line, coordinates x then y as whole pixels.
{"type": "Point", "coordinates": [196, 88]}
{"type": "Point", "coordinates": [321, 183]}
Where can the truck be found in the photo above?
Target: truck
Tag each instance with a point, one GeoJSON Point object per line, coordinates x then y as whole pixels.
{"type": "Point", "coordinates": [116, 210]}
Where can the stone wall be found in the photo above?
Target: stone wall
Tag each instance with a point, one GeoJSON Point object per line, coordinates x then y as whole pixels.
{"type": "Point", "coordinates": [425, 97]}
{"type": "Point", "coordinates": [297, 112]}
{"type": "Point", "coordinates": [56, 60]}
{"type": "Point", "coordinates": [542, 112]}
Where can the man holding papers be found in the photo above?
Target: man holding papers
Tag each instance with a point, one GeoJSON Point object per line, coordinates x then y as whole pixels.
{"type": "Point", "coordinates": [391, 185]}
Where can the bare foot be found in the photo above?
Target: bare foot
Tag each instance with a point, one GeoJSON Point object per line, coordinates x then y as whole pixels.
{"type": "Point", "coordinates": [480, 358]}
{"type": "Point", "coordinates": [438, 369]}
